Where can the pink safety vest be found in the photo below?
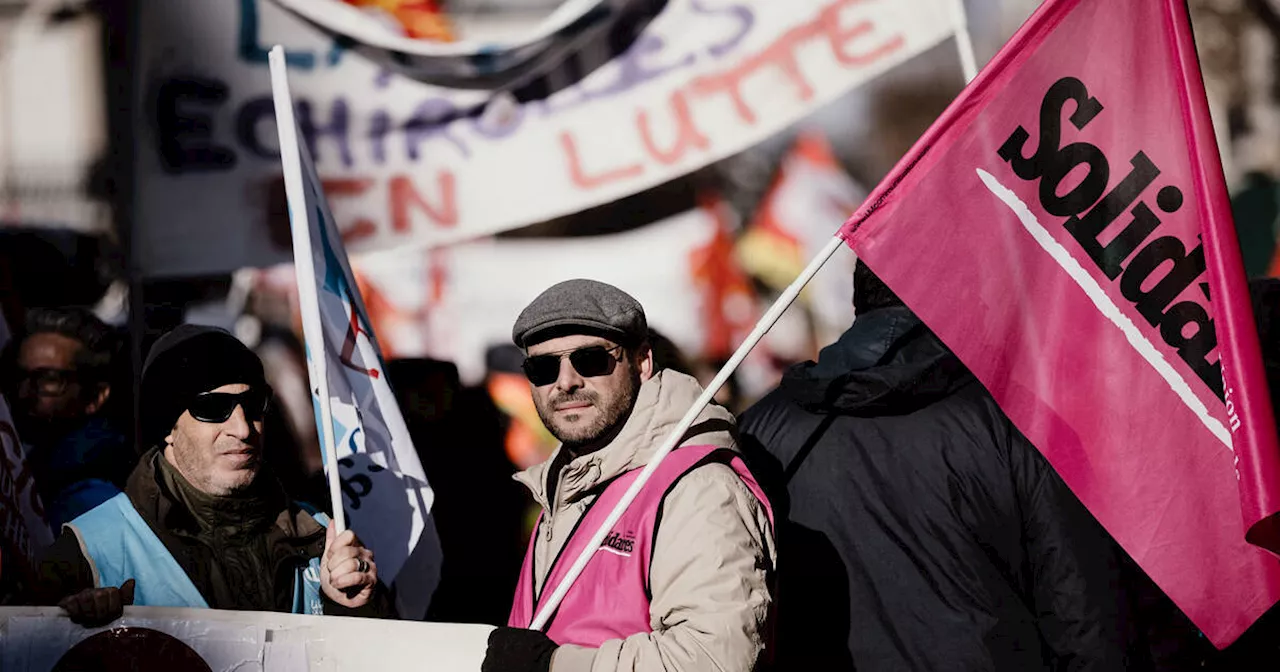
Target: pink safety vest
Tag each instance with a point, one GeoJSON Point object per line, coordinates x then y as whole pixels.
{"type": "Point", "coordinates": [610, 600]}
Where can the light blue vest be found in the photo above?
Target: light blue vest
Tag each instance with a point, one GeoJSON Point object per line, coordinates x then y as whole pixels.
{"type": "Point", "coordinates": [119, 546]}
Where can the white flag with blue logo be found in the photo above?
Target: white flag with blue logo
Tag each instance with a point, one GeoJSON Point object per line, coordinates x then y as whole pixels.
{"type": "Point", "coordinates": [380, 485]}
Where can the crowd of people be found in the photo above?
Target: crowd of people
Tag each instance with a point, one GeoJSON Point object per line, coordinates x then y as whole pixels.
{"type": "Point", "coordinates": [876, 511]}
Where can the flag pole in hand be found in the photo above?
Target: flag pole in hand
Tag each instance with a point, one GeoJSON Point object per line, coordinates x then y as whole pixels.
{"type": "Point", "coordinates": [304, 267]}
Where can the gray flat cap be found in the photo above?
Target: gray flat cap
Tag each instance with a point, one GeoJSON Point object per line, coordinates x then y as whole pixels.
{"type": "Point", "coordinates": [581, 306]}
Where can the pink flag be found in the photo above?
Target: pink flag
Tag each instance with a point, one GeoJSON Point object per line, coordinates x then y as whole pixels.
{"type": "Point", "coordinates": [1065, 229]}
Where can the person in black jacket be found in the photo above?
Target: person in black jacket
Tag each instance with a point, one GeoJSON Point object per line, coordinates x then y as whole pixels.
{"type": "Point", "coordinates": [919, 529]}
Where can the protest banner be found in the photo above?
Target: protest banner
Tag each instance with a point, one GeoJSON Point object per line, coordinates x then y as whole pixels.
{"type": "Point", "coordinates": [1064, 228]}
{"type": "Point", "coordinates": [454, 303]}
{"type": "Point", "coordinates": [572, 40]}
{"type": "Point", "coordinates": [161, 639]}
{"type": "Point", "coordinates": [410, 165]}
{"type": "Point", "coordinates": [23, 531]}
{"type": "Point", "coordinates": [376, 478]}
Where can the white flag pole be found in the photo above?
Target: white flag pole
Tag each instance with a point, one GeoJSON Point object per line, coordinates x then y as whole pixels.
{"type": "Point", "coordinates": [774, 313]}
{"type": "Point", "coordinates": [964, 43]}
{"type": "Point", "coordinates": [304, 266]}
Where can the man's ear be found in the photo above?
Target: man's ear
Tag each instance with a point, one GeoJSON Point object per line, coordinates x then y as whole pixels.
{"type": "Point", "coordinates": [99, 399]}
{"type": "Point", "coordinates": [644, 361]}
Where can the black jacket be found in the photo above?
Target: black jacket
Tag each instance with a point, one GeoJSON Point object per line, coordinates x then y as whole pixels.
{"type": "Point", "coordinates": [918, 529]}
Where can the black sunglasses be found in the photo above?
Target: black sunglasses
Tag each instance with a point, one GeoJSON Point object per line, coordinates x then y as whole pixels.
{"type": "Point", "coordinates": [218, 406]}
{"type": "Point", "coordinates": [589, 362]}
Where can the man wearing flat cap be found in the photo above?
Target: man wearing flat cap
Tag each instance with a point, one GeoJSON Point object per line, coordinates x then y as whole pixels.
{"type": "Point", "coordinates": [682, 581]}
{"type": "Point", "coordinates": [202, 522]}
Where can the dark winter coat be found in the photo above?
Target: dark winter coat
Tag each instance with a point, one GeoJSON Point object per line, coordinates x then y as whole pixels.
{"type": "Point", "coordinates": [919, 529]}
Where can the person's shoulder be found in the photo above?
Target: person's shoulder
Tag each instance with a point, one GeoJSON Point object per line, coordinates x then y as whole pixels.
{"type": "Point", "coordinates": [711, 509]}
{"type": "Point", "coordinates": [62, 569]}
{"type": "Point", "coordinates": [711, 484]}
{"type": "Point", "coordinates": [774, 400]}
{"type": "Point", "coordinates": [302, 519]}
{"type": "Point", "coordinates": [65, 552]}
{"type": "Point", "coordinates": [79, 498]}
{"type": "Point", "coordinates": [66, 546]}
{"type": "Point", "coordinates": [774, 411]}
{"type": "Point", "coordinates": [711, 473]}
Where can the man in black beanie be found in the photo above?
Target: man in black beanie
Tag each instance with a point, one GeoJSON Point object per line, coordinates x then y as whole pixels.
{"type": "Point", "coordinates": [201, 522]}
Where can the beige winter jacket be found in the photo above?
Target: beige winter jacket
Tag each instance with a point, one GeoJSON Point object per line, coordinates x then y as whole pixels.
{"type": "Point", "coordinates": [712, 557]}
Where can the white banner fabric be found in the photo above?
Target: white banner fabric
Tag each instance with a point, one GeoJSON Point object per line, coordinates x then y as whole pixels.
{"type": "Point", "coordinates": [406, 164]}
{"type": "Point", "coordinates": [35, 639]}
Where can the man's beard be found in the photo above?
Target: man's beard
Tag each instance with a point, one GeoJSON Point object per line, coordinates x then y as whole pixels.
{"type": "Point", "coordinates": [610, 415]}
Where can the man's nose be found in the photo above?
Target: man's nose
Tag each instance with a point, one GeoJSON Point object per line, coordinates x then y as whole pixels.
{"type": "Point", "coordinates": [237, 425]}
{"type": "Point", "coordinates": [569, 380]}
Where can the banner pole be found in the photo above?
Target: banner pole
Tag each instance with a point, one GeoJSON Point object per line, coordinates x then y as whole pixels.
{"type": "Point", "coordinates": [964, 42]}
{"type": "Point", "coordinates": [304, 267]}
{"type": "Point", "coordinates": [762, 327]}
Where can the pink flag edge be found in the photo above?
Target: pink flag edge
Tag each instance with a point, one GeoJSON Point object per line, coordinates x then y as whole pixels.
{"type": "Point", "coordinates": [1258, 454]}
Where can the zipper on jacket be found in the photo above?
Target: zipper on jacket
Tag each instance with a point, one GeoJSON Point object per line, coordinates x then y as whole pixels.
{"type": "Point", "coordinates": [554, 505]}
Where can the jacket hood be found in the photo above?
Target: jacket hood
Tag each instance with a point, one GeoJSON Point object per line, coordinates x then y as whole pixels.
{"type": "Point", "coordinates": [662, 402]}
{"type": "Point", "coordinates": [887, 363]}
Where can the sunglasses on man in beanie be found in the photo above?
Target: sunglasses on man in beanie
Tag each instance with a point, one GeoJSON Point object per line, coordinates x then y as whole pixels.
{"type": "Point", "coordinates": [219, 406]}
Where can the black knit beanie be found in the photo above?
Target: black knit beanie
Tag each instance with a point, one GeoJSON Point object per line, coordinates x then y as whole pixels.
{"type": "Point", "coordinates": [185, 362]}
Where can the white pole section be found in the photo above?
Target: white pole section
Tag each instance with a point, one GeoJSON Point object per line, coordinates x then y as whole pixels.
{"type": "Point", "coordinates": [304, 266]}
{"type": "Point", "coordinates": [964, 43]}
